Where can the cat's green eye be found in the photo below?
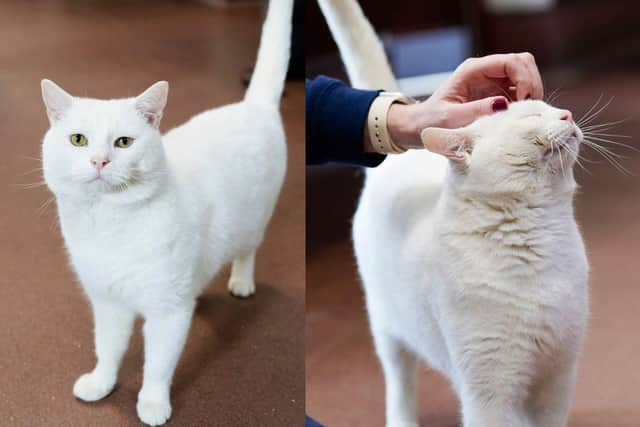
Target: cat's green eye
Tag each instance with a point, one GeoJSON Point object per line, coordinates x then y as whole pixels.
{"type": "Point", "coordinates": [123, 142]}
{"type": "Point", "coordinates": [78, 139]}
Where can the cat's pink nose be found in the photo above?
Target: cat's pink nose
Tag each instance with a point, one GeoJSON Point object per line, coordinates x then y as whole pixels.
{"type": "Point", "coordinates": [566, 115]}
{"type": "Point", "coordinates": [99, 162]}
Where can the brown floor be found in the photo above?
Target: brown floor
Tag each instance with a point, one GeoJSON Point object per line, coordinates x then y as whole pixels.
{"type": "Point", "coordinates": [344, 382]}
{"type": "Point", "coordinates": [243, 364]}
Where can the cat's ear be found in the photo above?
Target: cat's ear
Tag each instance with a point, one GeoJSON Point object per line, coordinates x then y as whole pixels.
{"type": "Point", "coordinates": [56, 100]}
{"type": "Point", "coordinates": [455, 144]}
{"type": "Point", "coordinates": [152, 101]}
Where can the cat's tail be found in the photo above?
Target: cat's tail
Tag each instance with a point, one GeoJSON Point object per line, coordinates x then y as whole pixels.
{"type": "Point", "coordinates": [361, 50]}
{"type": "Point", "coordinates": [269, 74]}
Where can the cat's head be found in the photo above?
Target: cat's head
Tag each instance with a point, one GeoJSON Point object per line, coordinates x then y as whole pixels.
{"type": "Point", "coordinates": [94, 147]}
{"type": "Point", "coordinates": [526, 149]}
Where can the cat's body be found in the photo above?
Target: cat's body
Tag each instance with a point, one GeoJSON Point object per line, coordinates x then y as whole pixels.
{"type": "Point", "coordinates": [149, 220]}
{"type": "Point", "coordinates": [215, 201]}
{"type": "Point", "coordinates": [475, 265]}
{"type": "Point", "coordinates": [494, 295]}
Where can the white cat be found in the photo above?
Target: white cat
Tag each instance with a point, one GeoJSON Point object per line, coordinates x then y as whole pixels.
{"type": "Point", "coordinates": [474, 263]}
{"type": "Point", "coordinates": [148, 220]}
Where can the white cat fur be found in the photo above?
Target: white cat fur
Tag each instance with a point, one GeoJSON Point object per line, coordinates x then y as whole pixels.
{"type": "Point", "coordinates": [477, 265]}
{"type": "Point", "coordinates": [149, 232]}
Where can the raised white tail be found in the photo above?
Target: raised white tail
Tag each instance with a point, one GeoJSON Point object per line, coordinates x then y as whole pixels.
{"type": "Point", "coordinates": [362, 53]}
{"type": "Point", "coordinates": [267, 81]}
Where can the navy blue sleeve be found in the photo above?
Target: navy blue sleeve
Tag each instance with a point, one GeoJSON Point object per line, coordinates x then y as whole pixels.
{"type": "Point", "coordinates": [310, 422]}
{"type": "Point", "coordinates": [335, 119]}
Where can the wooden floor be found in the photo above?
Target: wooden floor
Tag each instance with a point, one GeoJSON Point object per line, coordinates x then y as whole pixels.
{"type": "Point", "coordinates": [344, 385]}
{"type": "Point", "coordinates": [243, 364]}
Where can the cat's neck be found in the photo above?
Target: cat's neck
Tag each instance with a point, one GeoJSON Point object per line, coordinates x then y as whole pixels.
{"type": "Point", "coordinates": [548, 209]}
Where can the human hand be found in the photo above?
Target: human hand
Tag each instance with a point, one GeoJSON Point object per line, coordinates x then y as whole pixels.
{"type": "Point", "coordinates": [479, 86]}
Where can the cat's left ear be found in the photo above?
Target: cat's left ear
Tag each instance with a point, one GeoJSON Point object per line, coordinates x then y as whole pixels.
{"type": "Point", "coordinates": [455, 144]}
{"type": "Point", "coordinates": [56, 100]}
{"type": "Point", "coordinates": [152, 101]}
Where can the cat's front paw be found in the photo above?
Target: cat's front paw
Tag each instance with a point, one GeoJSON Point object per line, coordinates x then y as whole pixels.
{"type": "Point", "coordinates": [91, 387]}
{"type": "Point", "coordinates": [241, 288]}
{"type": "Point", "coordinates": [154, 413]}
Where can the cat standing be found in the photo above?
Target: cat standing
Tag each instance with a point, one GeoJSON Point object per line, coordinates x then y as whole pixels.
{"type": "Point", "coordinates": [148, 220]}
{"type": "Point", "coordinates": [473, 263]}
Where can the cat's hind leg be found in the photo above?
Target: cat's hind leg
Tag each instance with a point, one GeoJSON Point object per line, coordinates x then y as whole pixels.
{"type": "Point", "coordinates": [113, 326]}
{"type": "Point", "coordinates": [241, 282]}
{"type": "Point", "coordinates": [165, 333]}
{"type": "Point", "coordinates": [551, 402]}
{"type": "Point", "coordinates": [399, 369]}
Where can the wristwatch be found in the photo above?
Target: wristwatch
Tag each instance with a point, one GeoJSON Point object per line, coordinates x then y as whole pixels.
{"type": "Point", "coordinates": [377, 121]}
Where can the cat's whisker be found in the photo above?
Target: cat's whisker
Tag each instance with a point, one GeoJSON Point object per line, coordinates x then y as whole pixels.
{"type": "Point", "coordinates": [587, 119]}
{"type": "Point", "coordinates": [612, 135]}
{"type": "Point", "coordinates": [616, 165]}
{"type": "Point", "coordinates": [608, 150]}
{"type": "Point", "coordinates": [31, 185]}
{"type": "Point", "coordinates": [586, 114]}
{"type": "Point", "coordinates": [595, 114]}
{"type": "Point", "coordinates": [32, 171]}
{"type": "Point", "coordinates": [608, 141]}
{"type": "Point", "coordinates": [578, 157]}
{"type": "Point", "coordinates": [601, 126]}
{"type": "Point", "coordinates": [607, 154]}
{"type": "Point", "coordinates": [43, 208]}
{"type": "Point", "coordinates": [553, 96]}
{"type": "Point", "coordinates": [556, 146]}
{"type": "Point", "coordinates": [37, 159]}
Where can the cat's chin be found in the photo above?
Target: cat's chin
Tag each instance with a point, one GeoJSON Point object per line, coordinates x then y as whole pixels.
{"type": "Point", "coordinates": [102, 184]}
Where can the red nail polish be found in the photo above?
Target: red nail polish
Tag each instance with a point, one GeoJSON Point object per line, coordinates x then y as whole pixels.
{"type": "Point", "coordinates": [499, 104]}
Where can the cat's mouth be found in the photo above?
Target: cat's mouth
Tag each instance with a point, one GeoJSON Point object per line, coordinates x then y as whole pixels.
{"type": "Point", "coordinates": [564, 144]}
{"type": "Point", "coordinates": [98, 178]}
{"type": "Point", "coordinates": [100, 182]}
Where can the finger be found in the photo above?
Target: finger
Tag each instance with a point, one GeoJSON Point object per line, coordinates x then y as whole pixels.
{"type": "Point", "coordinates": [495, 87]}
{"type": "Point", "coordinates": [499, 66]}
{"type": "Point", "coordinates": [463, 114]}
{"type": "Point", "coordinates": [537, 91]}
{"type": "Point", "coordinates": [518, 71]}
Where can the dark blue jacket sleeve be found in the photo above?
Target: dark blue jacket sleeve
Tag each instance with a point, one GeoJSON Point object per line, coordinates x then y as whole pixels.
{"type": "Point", "coordinates": [335, 119]}
{"type": "Point", "coordinates": [310, 422]}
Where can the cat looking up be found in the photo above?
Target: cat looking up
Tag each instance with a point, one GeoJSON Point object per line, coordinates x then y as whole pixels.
{"type": "Point", "coordinates": [471, 258]}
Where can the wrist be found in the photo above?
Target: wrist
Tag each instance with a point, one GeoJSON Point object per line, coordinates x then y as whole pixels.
{"type": "Point", "coordinates": [402, 127]}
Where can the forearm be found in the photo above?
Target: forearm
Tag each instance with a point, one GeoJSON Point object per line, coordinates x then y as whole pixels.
{"type": "Point", "coordinates": [336, 119]}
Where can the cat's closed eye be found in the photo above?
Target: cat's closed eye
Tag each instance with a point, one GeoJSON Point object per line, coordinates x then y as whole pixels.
{"type": "Point", "coordinates": [123, 142]}
{"type": "Point", "coordinates": [78, 139]}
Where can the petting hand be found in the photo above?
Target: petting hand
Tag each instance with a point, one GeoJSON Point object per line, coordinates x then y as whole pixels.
{"type": "Point", "coordinates": [479, 86]}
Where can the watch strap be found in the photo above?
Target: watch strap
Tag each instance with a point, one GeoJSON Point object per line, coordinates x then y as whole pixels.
{"type": "Point", "coordinates": [377, 122]}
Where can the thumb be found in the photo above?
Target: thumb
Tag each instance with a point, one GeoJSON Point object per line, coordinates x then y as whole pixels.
{"type": "Point", "coordinates": [470, 111]}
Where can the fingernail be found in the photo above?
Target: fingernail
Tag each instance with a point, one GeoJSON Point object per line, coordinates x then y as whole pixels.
{"type": "Point", "coordinates": [528, 96]}
{"type": "Point", "coordinates": [499, 104]}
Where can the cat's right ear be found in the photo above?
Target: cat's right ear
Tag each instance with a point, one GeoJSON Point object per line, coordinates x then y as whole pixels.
{"type": "Point", "coordinates": [56, 100]}
{"type": "Point", "coordinates": [455, 144]}
{"type": "Point", "coordinates": [152, 101]}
